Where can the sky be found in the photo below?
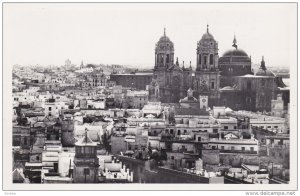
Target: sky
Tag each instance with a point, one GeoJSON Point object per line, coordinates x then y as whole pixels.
{"type": "Point", "coordinates": [126, 33]}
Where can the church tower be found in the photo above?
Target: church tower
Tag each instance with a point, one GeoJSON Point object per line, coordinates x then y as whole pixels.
{"type": "Point", "coordinates": [86, 162]}
{"type": "Point", "coordinates": [206, 81]}
{"type": "Point", "coordinates": [171, 79]}
{"type": "Point", "coordinates": [164, 53]}
{"type": "Point", "coordinates": [164, 58]}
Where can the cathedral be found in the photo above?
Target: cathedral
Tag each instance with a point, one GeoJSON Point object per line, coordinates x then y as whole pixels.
{"type": "Point", "coordinates": [226, 81]}
{"type": "Point", "coordinates": [173, 80]}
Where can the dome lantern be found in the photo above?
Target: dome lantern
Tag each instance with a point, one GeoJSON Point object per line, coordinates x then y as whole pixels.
{"type": "Point", "coordinates": [234, 42]}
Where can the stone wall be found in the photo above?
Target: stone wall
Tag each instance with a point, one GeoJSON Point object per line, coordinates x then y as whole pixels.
{"type": "Point", "coordinates": [210, 157]}
{"type": "Point", "coordinates": [235, 159]}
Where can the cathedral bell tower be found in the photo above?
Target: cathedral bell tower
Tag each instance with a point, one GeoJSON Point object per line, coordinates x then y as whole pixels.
{"type": "Point", "coordinates": [164, 53]}
{"type": "Point", "coordinates": [207, 80]}
{"type": "Point", "coordinates": [164, 60]}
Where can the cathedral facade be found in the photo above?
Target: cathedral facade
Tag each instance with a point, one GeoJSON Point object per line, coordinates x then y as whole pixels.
{"type": "Point", "coordinates": [174, 79]}
{"type": "Point", "coordinates": [226, 81]}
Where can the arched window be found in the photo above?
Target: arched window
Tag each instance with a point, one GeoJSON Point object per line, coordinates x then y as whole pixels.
{"type": "Point", "coordinates": [168, 58]}
{"type": "Point", "coordinates": [205, 61]}
{"type": "Point", "coordinates": [211, 59]}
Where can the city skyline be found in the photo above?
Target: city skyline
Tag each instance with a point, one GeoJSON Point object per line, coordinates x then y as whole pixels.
{"type": "Point", "coordinates": [185, 95]}
{"type": "Point", "coordinates": [47, 34]}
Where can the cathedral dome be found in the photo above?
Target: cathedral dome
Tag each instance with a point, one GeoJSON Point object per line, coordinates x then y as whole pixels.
{"type": "Point", "coordinates": [235, 53]}
{"type": "Point", "coordinates": [164, 40]}
{"type": "Point", "coordinates": [207, 37]}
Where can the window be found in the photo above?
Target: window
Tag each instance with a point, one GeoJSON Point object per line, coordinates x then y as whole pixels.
{"type": "Point", "coordinates": [171, 131]}
{"type": "Point", "coordinates": [212, 85]}
{"type": "Point", "coordinates": [88, 150]}
{"type": "Point", "coordinates": [172, 157]}
{"type": "Point", "coordinates": [205, 60]}
{"type": "Point", "coordinates": [225, 127]}
{"type": "Point", "coordinates": [199, 59]}
{"type": "Point", "coordinates": [211, 59]}
{"type": "Point", "coordinates": [232, 147]}
{"type": "Point", "coordinates": [199, 139]}
{"type": "Point", "coordinates": [234, 127]}
{"type": "Point", "coordinates": [168, 58]}
{"type": "Point", "coordinates": [50, 108]}
{"type": "Point", "coordinates": [37, 158]}
{"type": "Point", "coordinates": [243, 148]}
{"type": "Point", "coordinates": [251, 149]}
{"type": "Point", "coordinates": [184, 131]}
{"type": "Point", "coordinates": [222, 147]}
{"type": "Point", "coordinates": [86, 171]}
{"type": "Point", "coordinates": [178, 132]}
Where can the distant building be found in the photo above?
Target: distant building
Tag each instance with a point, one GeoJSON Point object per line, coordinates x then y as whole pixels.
{"type": "Point", "coordinates": [94, 80]}
{"type": "Point", "coordinates": [277, 106]}
{"type": "Point", "coordinates": [136, 99]}
{"type": "Point", "coordinates": [137, 81]}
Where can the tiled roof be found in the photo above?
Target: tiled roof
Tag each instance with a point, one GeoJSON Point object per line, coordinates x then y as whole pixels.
{"type": "Point", "coordinates": [85, 141]}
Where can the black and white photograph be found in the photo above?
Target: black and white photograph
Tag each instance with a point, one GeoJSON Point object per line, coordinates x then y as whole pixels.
{"type": "Point", "coordinates": [149, 96]}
